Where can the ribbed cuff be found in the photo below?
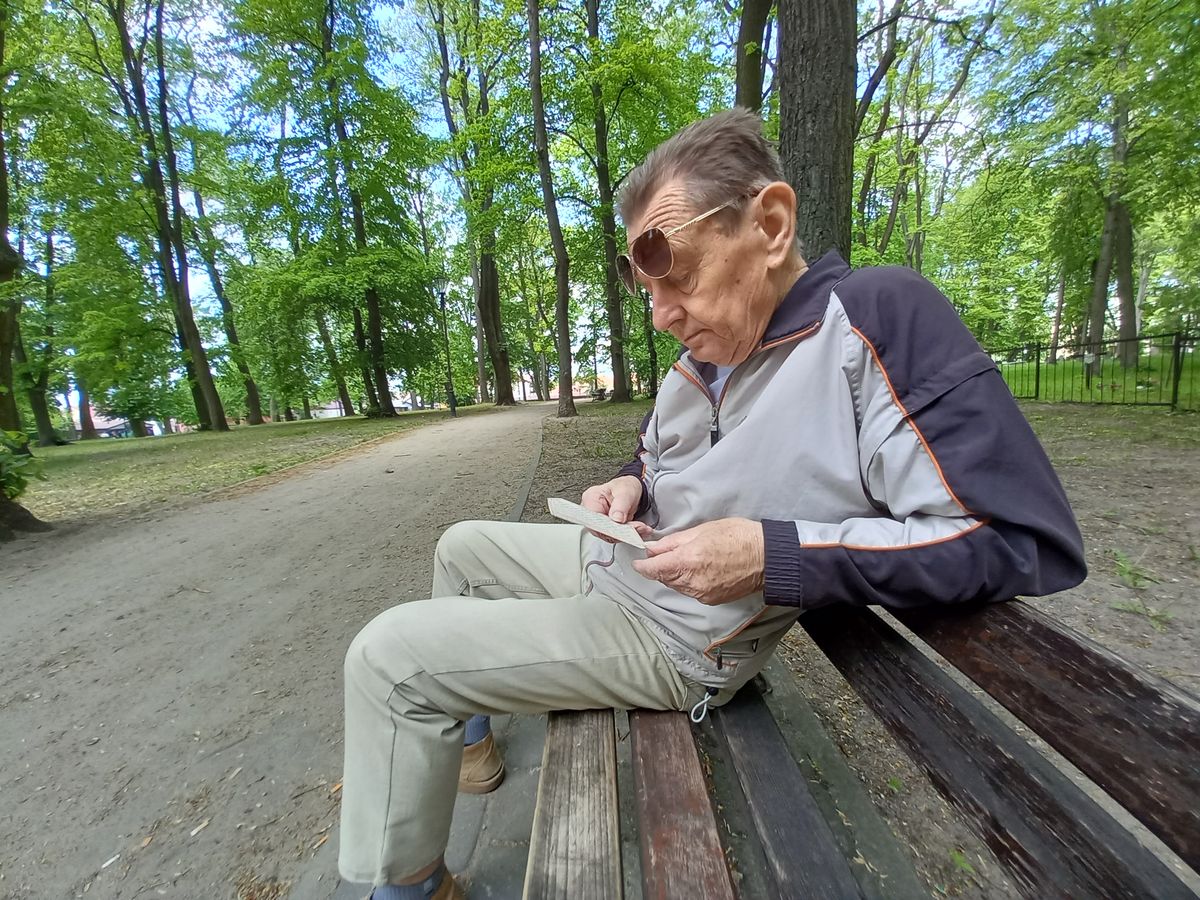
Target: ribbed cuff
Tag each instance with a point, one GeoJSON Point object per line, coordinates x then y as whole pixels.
{"type": "Point", "coordinates": [781, 570]}
{"type": "Point", "coordinates": [635, 468]}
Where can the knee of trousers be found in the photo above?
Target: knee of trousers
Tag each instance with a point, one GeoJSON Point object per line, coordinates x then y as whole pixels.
{"type": "Point", "coordinates": [379, 652]}
{"type": "Point", "coordinates": [457, 543]}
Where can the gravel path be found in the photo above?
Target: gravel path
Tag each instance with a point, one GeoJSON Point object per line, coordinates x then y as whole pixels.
{"type": "Point", "coordinates": [170, 699]}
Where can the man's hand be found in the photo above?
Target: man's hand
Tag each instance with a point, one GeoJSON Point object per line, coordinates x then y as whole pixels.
{"type": "Point", "coordinates": [618, 499]}
{"type": "Point", "coordinates": [716, 562]}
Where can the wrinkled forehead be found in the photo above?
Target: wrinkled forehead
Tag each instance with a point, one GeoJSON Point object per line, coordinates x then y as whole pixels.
{"type": "Point", "coordinates": [669, 206]}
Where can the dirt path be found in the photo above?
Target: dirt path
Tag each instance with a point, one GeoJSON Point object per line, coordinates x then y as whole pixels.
{"type": "Point", "coordinates": [170, 696]}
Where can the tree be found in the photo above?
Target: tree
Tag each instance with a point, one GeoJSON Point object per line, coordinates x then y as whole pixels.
{"type": "Point", "coordinates": [816, 117]}
{"type": "Point", "coordinates": [562, 264]}
{"type": "Point", "coordinates": [10, 261]}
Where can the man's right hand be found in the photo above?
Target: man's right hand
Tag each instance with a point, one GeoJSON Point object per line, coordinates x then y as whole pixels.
{"type": "Point", "coordinates": [618, 499]}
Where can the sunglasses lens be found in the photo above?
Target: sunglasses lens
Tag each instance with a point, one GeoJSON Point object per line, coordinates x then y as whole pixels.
{"type": "Point", "coordinates": [625, 272]}
{"type": "Point", "coordinates": [652, 253]}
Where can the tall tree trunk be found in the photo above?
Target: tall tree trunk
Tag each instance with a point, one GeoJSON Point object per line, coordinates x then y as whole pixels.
{"type": "Point", "coordinates": [335, 368]}
{"type": "Point", "coordinates": [816, 119]}
{"type": "Point", "coordinates": [608, 223]}
{"type": "Point", "coordinates": [206, 241]}
{"type": "Point", "coordinates": [748, 81]}
{"type": "Point", "coordinates": [137, 427]}
{"type": "Point", "coordinates": [1059, 301]}
{"type": "Point", "coordinates": [374, 332]}
{"type": "Point", "coordinates": [562, 263]}
{"type": "Point", "coordinates": [1101, 274]}
{"type": "Point", "coordinates": [87, 428]}
{"type": "Point", "coordinates": [35, 392]}
{"type": "Point", "coordinates": [305, 409]}
{"type": "Point", "coordinates": [360, 343]}
{"type": "Point", "coordinates": [208, 387]}
{"type": "Point", "coordinates": [489, 309]}
{"type": "Point", "coordinates": [1123, 261]}
{"type": "Point", "coordinates": [481, 369]}
{"type": "Point", "coordinates": [651, 347]}
{"type": "Point", "coordinates": [10, 264]}
{"type": "Point", "coordinates": [193, 381]}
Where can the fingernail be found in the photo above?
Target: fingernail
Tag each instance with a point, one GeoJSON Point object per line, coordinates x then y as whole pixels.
{"type": "Point", "coordinates": [618, 516]}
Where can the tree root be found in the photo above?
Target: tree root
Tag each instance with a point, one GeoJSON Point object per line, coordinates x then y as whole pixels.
{"type": "Point", "coordinates": [14, 518]}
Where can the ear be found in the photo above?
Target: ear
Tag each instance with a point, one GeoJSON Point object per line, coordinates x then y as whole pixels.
{"type": "Point", "coordinates": [775, 212]}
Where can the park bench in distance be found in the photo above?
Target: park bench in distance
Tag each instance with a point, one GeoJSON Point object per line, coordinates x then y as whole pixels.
{"type": "Point", "coordinates": [799, 823]}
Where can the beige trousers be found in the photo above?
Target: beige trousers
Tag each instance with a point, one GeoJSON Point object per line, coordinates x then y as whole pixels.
{"type": "Point", "coordinates": [508, 630]}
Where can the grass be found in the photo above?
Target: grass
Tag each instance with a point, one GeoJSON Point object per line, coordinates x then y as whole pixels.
{"type": "Point", "coordinates": [92, 478]}
{"type": "Point", "coordinates": [1149, 384]}
{"type": "Point", "coordinates": [1078, 433]}
{"type": "Point", "coordinates": [1159, 618]}
{"type": "Point", "coordinates": [1130, 572]}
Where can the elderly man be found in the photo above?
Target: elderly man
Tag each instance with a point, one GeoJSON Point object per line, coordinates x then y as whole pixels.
{"type": "Point", "coordinates": [829, 436]}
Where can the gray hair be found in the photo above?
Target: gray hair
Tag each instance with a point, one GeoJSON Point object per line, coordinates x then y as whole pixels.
{"type": "Point", "coordinates": [724, 157]}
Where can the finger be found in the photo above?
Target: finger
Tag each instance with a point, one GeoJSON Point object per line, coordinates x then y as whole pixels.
{"type": "Point", "coordinates": [597, 499]}
{"type": "Point", "coordinates": [657, 569]}
{"type": "Point", "coordinates": [643, 530]}
{"type": "Point", "coordinates": [603, 537]}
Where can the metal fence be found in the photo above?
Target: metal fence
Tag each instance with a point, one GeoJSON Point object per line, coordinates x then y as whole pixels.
{"type": "Point", "coordinates": [1149, 370]}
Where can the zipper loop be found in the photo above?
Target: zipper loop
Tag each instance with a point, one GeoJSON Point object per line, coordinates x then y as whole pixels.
{"type": "Point", "coordinates": [700, 710]}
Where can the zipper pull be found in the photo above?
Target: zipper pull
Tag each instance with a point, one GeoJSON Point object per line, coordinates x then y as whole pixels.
{"type": "Point", "coordinates": [700, 710]}
{"type": "Point", "coordinates": [714, 427]}
{"type": "Point", "coordinates": [720, 663]}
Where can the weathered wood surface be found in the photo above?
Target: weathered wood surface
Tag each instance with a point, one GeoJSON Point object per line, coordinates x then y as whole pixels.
{"type": "Point", "coordinates": [800, 851]}
{"type": "Point", "coordinates": [886, 871]}
{"type": "Point", "coordinates": [1135, 735]}
{"type": "Point", "coordinates": [681, 847]}
{"type": "Point", "coordinates": [575, 846]}
{"type": "Point", "coordinates": [1054, 840]}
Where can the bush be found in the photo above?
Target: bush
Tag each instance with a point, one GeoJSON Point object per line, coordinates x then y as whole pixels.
{"type": "Point", "coordinates": [17, 467]}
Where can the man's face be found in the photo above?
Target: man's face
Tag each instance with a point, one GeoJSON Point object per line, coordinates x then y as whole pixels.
{"type": "Point", "coordinates": [717, 300]}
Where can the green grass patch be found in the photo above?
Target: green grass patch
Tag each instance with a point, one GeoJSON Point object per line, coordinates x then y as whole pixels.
{"type": "Point", "coordinates": [91, 478]}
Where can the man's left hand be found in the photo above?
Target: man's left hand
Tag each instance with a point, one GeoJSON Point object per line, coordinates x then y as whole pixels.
{"type": "Point", "coordinates": [716, 562]}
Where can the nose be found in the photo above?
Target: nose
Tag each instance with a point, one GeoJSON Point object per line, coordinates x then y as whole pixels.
{"type": "Point", "coordinates": [665, 313]}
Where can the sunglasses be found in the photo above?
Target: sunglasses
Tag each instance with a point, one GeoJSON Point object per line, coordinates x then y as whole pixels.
{"type": "Point", "coordinates": [651, 253]}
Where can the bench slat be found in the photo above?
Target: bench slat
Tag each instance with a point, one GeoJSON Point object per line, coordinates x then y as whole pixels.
{"type": "Point", "coordinates": [1054, 839]}
{"type": "Point", "coordinates": [1135, 735]}
{"type": "Point", "coordinates": [575, 845]}
{"type": "Point", "coordinates": [800, 850]}
{"type": "Point", "coordinates": [681, 847]}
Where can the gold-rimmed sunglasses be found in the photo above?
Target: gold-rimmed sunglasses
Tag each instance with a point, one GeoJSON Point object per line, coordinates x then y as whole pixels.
{"type": "Point", "coordinates": [651, 253]}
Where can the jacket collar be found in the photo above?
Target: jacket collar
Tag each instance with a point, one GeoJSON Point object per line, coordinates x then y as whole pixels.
{"type": "Point", "coordinates": [805, 303]}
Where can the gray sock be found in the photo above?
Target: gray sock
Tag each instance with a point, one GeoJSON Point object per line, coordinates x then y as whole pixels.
{"type": "Point", "coordinates": [421, 891]}
{"type": "Point", "coordinates": [478, 727]}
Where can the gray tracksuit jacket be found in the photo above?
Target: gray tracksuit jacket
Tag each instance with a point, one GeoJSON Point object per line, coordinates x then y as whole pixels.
{"type": "Point", "coordinates": [881, 450]}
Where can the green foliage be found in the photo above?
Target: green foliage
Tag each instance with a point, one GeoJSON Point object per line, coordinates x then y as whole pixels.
{"type": "Point", "coordinates": [17, 466]}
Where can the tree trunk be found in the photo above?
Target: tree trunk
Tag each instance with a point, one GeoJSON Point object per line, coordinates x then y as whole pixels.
{"type": "Point", "coordinates": [137, 427]}
{"type": "Point", "coordinates": [305, 409]}
{"type": "Point", "coordinates": [14, 517]}
{"type": "Point", "coordinates": [334, 368]}
{"type": "Point", "coordinates": [378, 365]}
{"type": "Point", "coordinates": [189, 369]}
{"type": "Point", "coordinates": [87, 428]}
{"type": "Point", "coordinates": [562, 264]}
{"type": "Point", "coordinates": [35, 391]}
{"type": "Point", "coordinates": [1059, 301]}
{"type": "Point", "coordinates": [608, 223]}
{"type": "Point", "coordinates": [10, 264]}
{"type": "Point", "coordinates": [481, 373]}
{"type": "Point", "coordinates": [289, 414]}
{"type": "Point", "coordinates": [816, 126]}
{"type": "Point", "coordinates": [360, 342]}
{"type": "Point", "coordinates": [651, 347]}
{"type": "Point", "coordinates": [493, 329]}
{"type": "Point", "coordinates": [1123, 261]}
{"type": "Point", "coordinates": [1099, 301]}
{"type": "Point", "coordinates": [750, 54]}
{"type": "Point", "coordinates": [203, 373]}
{"type": "Point", "coordinates": [206, 241]}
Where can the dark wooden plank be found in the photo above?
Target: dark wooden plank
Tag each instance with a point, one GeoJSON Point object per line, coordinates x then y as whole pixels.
{"type": "Point", "coordinates": [1054, 840]}
{"type": "Point", "coordinates": [801, 854]}
{"type": "Point", "coordinates": [681, 848]}
{"type": "Point", "coordinates": [1135, 735]}
{"type": "Point", "coordinates": [575, 845]}
{"type": "Point", "coordinates": [843, 799]}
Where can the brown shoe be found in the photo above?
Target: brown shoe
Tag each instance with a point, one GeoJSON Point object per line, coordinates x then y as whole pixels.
{"type": "Point", "coordinates": [482, 767]}
{"type": "Point", "coordinates": [449, 890]}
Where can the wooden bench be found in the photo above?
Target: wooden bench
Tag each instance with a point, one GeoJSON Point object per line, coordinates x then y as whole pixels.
{"type": "Point", "coordinates": [793, 821]}
{"type": "Point", "coordinates": [599, 394]}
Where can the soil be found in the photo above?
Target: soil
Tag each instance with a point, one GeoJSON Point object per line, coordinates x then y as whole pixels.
{"type": "Point", "coordinates": [1131, 475]}
{"type": "Point", "coordinates": [171, 689]}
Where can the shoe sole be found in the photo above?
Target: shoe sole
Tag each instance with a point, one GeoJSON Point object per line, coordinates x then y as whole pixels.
{"type": "Point", "coordinates": [481, 787]}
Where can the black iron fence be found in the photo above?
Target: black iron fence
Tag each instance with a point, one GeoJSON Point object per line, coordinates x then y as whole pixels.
{"type": "Point", "coordinates": [1149, 370]}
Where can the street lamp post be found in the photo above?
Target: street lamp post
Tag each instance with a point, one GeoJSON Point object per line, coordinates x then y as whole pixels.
{"type": "Point", "coordinates": [451, 400]}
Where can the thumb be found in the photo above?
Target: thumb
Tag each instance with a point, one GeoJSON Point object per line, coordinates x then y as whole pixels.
{"type": "Point", "coordinates": [620, 508]}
